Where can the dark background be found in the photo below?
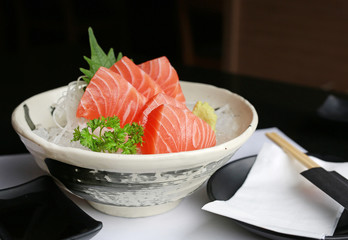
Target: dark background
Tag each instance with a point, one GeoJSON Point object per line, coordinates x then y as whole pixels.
{"type": "Point", "coordinates": [42, 43]}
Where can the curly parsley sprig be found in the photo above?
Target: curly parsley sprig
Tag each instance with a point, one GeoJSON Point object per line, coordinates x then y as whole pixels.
{"type": "Point", "coordinates": [106, 135]}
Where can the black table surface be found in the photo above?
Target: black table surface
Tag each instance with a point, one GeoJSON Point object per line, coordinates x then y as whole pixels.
{"type": "Point", "coordinates": [291, 108]}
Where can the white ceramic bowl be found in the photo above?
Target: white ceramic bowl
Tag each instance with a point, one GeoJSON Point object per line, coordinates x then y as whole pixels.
{"type": "Point", "coordinates": [134, 185]}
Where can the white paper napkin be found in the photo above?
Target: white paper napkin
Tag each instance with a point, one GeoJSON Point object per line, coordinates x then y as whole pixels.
{"type": "Point", "coordinates": [276, 197]}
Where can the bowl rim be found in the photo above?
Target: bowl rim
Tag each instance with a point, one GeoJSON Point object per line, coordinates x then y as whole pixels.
{"type": "Point", "coordinates": [223, 147]}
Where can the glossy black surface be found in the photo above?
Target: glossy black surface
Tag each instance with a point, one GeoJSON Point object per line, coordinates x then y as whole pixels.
{"type": "Point", "coordinates": [225, 182]}
{"type": "Point", "coordinates": [39, 210]}
{"type": "Point", "coordinates": [330, 182]}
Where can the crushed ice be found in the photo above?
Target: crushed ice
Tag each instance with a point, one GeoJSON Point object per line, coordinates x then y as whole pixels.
{"type": "Point", "coordinates": [64, 116]}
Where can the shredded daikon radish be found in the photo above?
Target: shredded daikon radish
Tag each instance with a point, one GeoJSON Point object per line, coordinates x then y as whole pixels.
{"type": "Point", "coordinates": [64, 114]}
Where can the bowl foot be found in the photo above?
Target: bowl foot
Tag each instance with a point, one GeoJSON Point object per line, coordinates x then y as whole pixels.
{"type": "Point", "coordinates": [134, 212]}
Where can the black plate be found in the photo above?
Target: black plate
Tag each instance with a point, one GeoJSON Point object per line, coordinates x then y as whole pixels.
{"type": "Point", "coordinates": [39, 210]}
{"type": "Point", "coordinates": [225, 182]}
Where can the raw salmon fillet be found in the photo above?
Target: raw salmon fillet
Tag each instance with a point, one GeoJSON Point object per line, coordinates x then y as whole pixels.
{"type": "Point", "coordinates": [172, 129]}
{"type": "Point", "coordinates": [137, 77]}
{"type": "Point", "coordinates": [160, 70]}
{"type": "Point", "coordinates": [156, 101]}
{"type": "Point", "coordinates": [109, 94]}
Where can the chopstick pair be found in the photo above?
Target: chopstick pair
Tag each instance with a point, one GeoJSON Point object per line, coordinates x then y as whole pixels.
{"type": "Point", "coordinates": [330, 182]}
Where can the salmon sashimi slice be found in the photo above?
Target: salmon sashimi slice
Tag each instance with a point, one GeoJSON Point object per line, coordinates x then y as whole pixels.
{"type": "Point", "coordinates": [172, 129]}
{"type": "Point", "coordinates": [108, 94]}
{"type": "Point", "coordinates": [160, 70]}
{"type": "Point", "coordinates": [137, 77]}
{"type": "Point", "coordinates": [156, 101]}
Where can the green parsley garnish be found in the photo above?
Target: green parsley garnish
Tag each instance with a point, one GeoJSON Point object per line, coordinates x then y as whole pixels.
{"type": "Point", "coordinates": [110, 137]}
{"type": "Point", "coordinates": [98, 58]}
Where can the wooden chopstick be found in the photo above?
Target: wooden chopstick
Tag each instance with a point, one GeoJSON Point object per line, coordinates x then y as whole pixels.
{"type": "Point", "coordinates": [289, 148]}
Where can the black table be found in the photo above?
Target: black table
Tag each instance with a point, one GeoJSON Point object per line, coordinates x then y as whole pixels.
{"type": "Point", "coordinates": [293, 109]}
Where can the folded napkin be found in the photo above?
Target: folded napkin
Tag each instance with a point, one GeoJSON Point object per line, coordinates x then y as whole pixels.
{"type": "Point", "coordinates": [276, 197]}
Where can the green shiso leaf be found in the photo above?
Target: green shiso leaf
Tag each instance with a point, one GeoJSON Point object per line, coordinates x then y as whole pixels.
{"type": "Point", "coordinates": [98, 58]}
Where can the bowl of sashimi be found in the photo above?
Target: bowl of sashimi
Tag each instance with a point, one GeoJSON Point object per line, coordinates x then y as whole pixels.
{"type": "Point", "coordinates": [134, 148]}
